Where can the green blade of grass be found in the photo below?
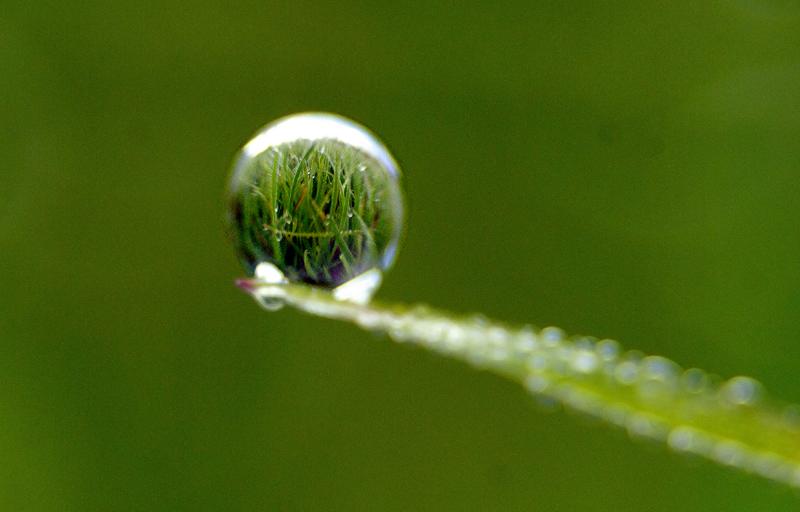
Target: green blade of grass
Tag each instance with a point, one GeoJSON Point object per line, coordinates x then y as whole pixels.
{"type": "Point", "coordinates": [732, 423]}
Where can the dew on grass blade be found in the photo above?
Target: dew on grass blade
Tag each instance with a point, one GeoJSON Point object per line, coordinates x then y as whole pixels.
{"type": "Point", "coordinates": [315, 198]}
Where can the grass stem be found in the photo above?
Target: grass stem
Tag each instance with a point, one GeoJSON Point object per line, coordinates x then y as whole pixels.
{"type": "Point", "coordinates": [731, 422]}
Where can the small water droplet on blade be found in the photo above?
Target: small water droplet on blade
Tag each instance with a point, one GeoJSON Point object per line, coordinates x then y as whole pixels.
{"type": "Point", "coordinates": [360, 289]}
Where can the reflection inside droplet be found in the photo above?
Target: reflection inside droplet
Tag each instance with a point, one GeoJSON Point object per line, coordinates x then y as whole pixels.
{"type": "Point", "coordinates": [318, 198]}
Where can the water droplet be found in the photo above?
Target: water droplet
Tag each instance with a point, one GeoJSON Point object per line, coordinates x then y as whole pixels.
{"type": "Point", "coordinates": [694, 380]}
{"type": "Point", "coordinates": [791, 415]}
{"type": "Point", "coordinates": [279, 164]}
{"type": "Point", "coordinates": [537, 363]}
{"type": "Point", "coordinates": [584, 361]}
{"type": "Point", "coordinates": [627, 371]}
{"type": "Point", "coordinates": [645, 426]}
{"type": "Point", "coordinates": [269, 274]}
{"type": "Point", "coordinates": [795, 478]}
{"type": "Point", "coordinates": [361, 288]}
{"type": "Point", "coordinates": [659, 368]}
{"type": "Point", "coordinates": [552, 336]}
{"type": "Point", "coordinates": [658, 378]}
{"type": "Point", "coordinates": [768, 465]}
{"type": "Point", "coordinates": [526, 341]}
{"type": "Point", "coordinates": [730, 453]}
{"type": "Point", "coordinates": [681, 439]}
{"type": "Point", "coordinates": [537, 384]}
{"type": "Point", "coordinates": [270, 297]}
{"type": "Point", "coordinates": [584, 343]}
{"type": "Point", "coordinates": [455, 338]}
{"type": "Point", "coordinates": [741, 391]}
{"type": "Point", "coordinates": [617, 414]}
{"type": "Point", "coordinates": [607, 350]}
{"type": "Point", "coordinates": [684, 438]}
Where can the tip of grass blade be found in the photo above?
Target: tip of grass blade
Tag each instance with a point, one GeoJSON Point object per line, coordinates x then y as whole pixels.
{"type": "Point", "coordinates": [246, 285]}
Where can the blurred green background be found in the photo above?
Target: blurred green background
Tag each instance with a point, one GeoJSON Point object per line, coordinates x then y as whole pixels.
{"type": "Point", "coordinates": [629, 170]}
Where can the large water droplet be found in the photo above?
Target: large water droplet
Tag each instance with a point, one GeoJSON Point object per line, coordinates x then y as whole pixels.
{"type": "Point", "coordinates": [290, 203]}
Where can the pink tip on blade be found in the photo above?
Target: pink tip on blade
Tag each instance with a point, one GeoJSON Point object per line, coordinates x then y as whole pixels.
{"type": "Point", "coordinates": [246, 285]}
